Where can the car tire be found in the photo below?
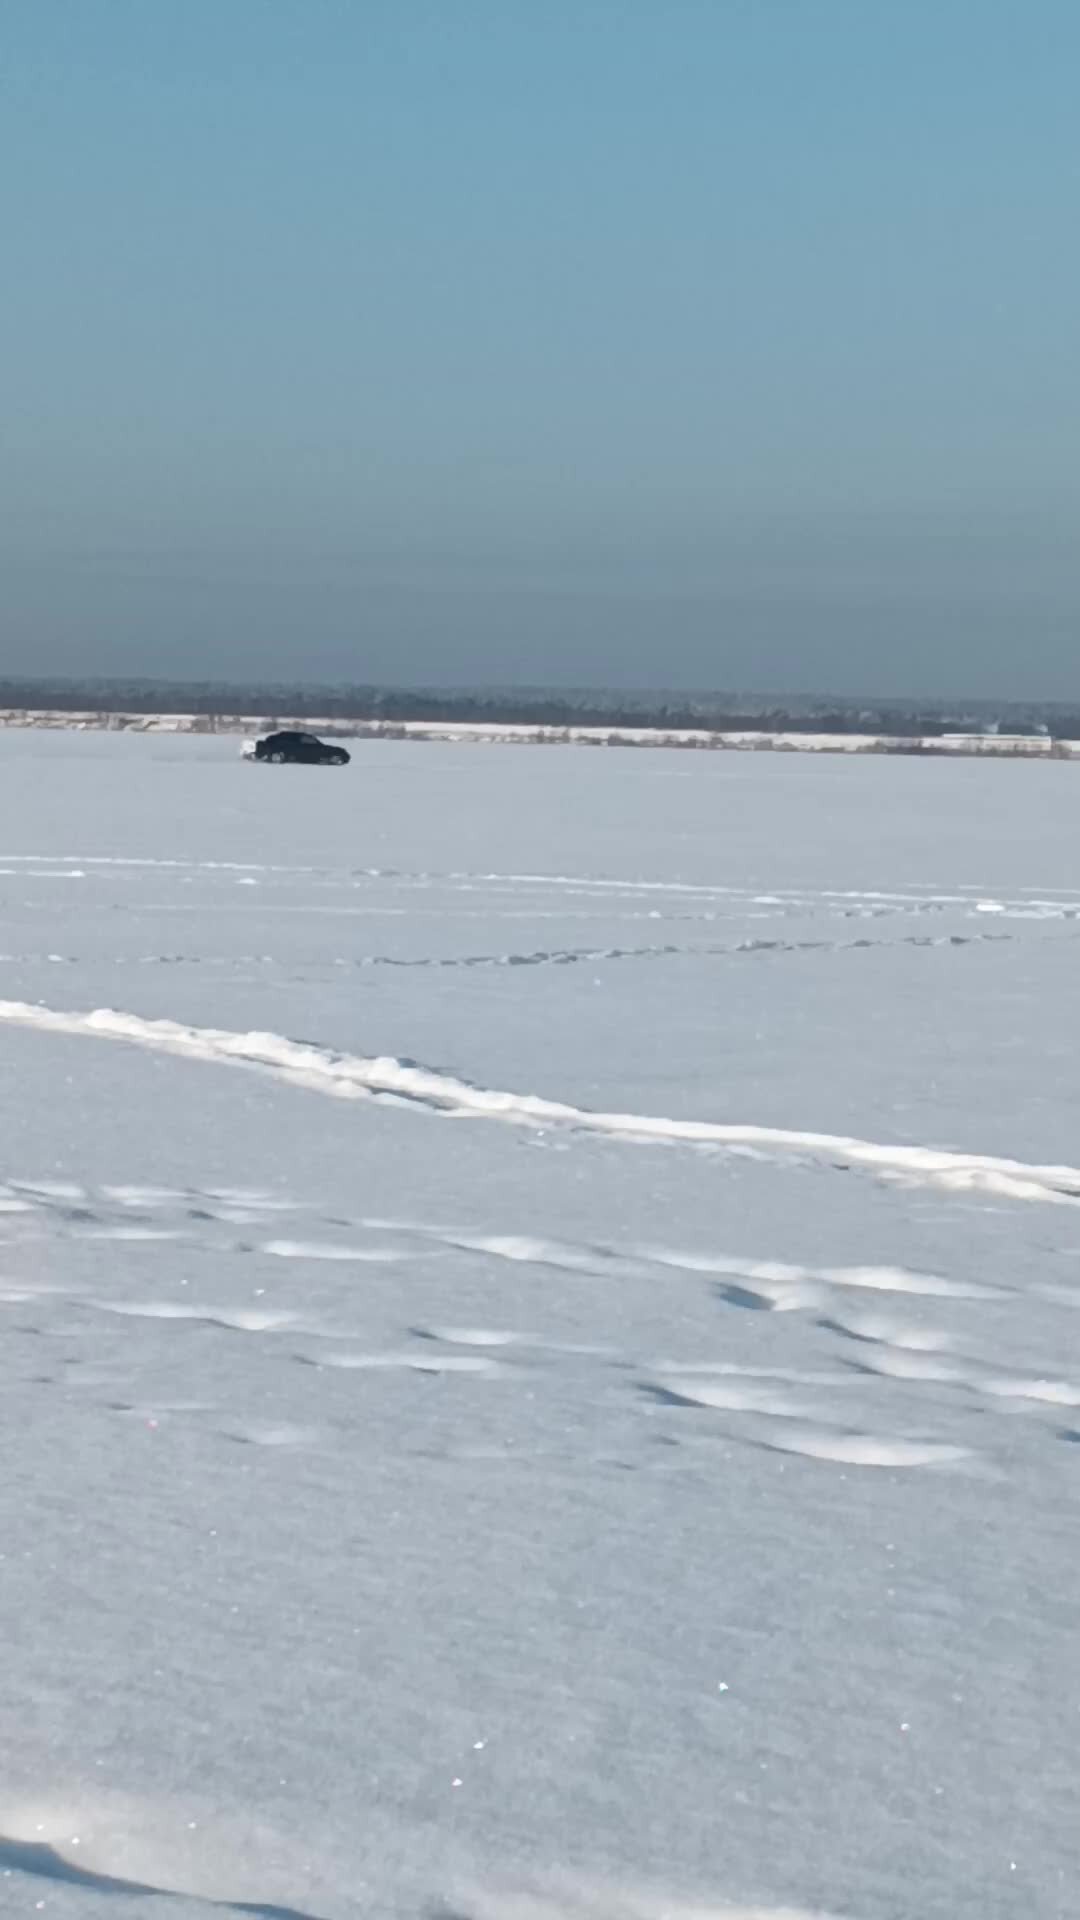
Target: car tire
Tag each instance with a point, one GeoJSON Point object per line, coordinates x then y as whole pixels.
{"type": "Point", "coordinates": [276, 759]}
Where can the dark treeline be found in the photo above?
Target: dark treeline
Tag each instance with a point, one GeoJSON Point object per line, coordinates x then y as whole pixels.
{"type": "Point", "coordinates": [536, 707]}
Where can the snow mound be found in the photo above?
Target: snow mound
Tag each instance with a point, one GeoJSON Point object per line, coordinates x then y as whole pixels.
{"type": "Point", "coordinates": [360, 1077]}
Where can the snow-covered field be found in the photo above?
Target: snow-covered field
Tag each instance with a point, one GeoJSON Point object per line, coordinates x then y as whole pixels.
{"type": "Point", "coordinates": [540, 1338]}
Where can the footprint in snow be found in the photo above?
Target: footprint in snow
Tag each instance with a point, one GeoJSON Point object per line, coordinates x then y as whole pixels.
{"type": "Point", "coordinates": [409, 1362]}
{"type": "Point", "coordinates": [847, 1447]}
{"type": "Point", "coordinates": [234, 1319]}
{"type": "Point", "coordinates": [771, 1297]}
{"type": "Point", "coordinates": [880, 1329]}
{"type": "Point", "coordinates": [135, 1234]}
{"type": "Point", "coordinates": [1051, 1393]}
{"type": "Point", "coordinates": [321, 1250]}
{"type": "Point", "coordinates": [469, 1336]}
{"type": "Point", "coordinates": [50, 1189]}
{"type": "Point", "coordinates": [725, 1396]}
{"type": "Point", "coordinates": [900, 1363]}
{"type": "Point", "coordinates": [262, 1433]}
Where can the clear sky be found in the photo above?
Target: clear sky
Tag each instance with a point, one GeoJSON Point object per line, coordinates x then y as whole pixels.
{"type": "Point", "coordinates": [715, 343]}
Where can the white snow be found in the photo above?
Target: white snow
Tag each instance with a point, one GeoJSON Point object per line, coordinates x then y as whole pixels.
{"type": "Point", "coordinates": [656, 1504]}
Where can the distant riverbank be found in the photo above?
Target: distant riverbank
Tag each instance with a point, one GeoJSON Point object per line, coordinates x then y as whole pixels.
{"type": "Point", "coordinates": [487, 733]}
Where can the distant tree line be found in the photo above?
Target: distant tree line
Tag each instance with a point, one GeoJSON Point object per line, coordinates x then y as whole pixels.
{"type": "Point", "coordinates": [529, 707]}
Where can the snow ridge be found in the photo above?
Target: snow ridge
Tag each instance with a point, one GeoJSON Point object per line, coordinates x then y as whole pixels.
{"type": "Point", "coordinates": [359, 1077]}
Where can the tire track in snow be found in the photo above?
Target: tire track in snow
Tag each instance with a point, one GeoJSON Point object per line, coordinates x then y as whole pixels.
{"type": "Point", "coordinates": [1034, 902]}
{"type": "Point", "coordinates": [542, 957]}
{"type": "Point", "coordinates": [359, 1077]}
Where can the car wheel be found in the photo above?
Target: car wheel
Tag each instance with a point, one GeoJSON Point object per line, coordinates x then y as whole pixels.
{"type": "Point", "coordinates": [276, 759]}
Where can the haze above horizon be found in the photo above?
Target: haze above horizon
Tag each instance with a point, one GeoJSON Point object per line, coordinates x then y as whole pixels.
{"type": "Point", "coordinates": [632, 346]}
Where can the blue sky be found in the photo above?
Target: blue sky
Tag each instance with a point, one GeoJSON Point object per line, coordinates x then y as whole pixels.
{"type": "Point", "coordinates": [720, 343]}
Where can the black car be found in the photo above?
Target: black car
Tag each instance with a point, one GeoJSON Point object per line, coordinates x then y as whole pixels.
{"type": "Point", "coordinates": [299, 749]}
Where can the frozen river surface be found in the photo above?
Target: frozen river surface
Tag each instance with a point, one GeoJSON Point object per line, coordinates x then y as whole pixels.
{"type": "Point", "coordinates": [539, 1335]}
